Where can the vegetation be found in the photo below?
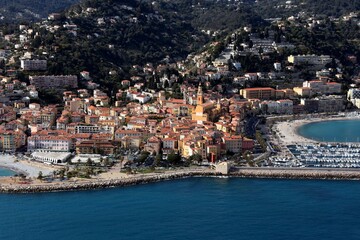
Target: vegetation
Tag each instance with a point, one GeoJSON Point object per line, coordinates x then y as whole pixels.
{"type": "Point", "coordinates": [278, 8]}
{"type": "Point", "coordinates": [261, 140]}
{"type": "Point", "coordinates": [22, 10]}
{"type": "Point", "coordinates": [40, 176]}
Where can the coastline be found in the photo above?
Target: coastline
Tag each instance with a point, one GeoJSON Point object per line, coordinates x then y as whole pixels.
{"type": "Point", "coordinates": [266, 173]}
{"type": "Point", "coordinates": [29, 169]}
{"type": "Point", "coordinates": [287, 132]}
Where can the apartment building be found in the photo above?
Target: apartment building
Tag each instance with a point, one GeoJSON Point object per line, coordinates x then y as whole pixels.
{"type": "Point", "coordinates": [33, 65]}
{"type": "Point", "coordinates": [60, 81]}
{"type": "Point", "coordinates": [263, 93]}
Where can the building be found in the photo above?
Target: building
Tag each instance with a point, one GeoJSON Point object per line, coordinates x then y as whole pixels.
{"type": "Point", "coordinates": [233, 143]}
{"type": "Point", "coordinates": [277, 107]}
{"type": "Point", "coordinates": [263, 93]}
{"type": "Point", "coordinates": [120, 133]}
{"type": "Point", "coordinates": [277, 66]}
{"type": "Point", "coordinates": [353, 96]}
{"type": "Point", "coordinates": [169, 145]}
{"type": "Point", "coordinates": [51, 157]}
{"type": "Point", "coordinates": [153, 145]}
{"type": "Point", "coordinates": [353, 93]}
{"type": "Point", "coordinates": [310, 59]}
{"type": "Point", "coordinates": [303, 91]}
{"type": "Point", "coordinates": [33, 65]}
{"type": "Point", "coordinates": [48, 82]}
{"type": "Point", "coordinates": [318, 86]}
{"type": "Point", "coordinates": [103, 147]}
{"type": "Point", "coordinates": [202, 110]}
{"type": "Point", "coordinates": [324, 104]}
{"type": "Point", "coordinates": [49, 143]}
{"type": "Point", "coordinates": [84, 128]}
{"type": "Point", "coordinates": [11, 140]}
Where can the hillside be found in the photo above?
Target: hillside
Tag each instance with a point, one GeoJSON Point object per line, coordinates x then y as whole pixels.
{"type": "Point", "coordinates": [25, 10]}
{"type": "Point", "coordinates": [285, 8]}
{"type": "Point", "coordinates": [102, 36]}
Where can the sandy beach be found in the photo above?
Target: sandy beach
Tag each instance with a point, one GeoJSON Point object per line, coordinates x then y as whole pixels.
{"type": "Point", "coordinates": [30, 169]}
{"type": "Point", "coordinates": [287, 131]}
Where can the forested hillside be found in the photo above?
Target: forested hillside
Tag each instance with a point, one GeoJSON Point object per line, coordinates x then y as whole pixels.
{"type": "Point", "coordinates": [116, 34]}
{"type": "Point", "coordinates": [285, 8]}
{"type": "Point", "coordinates": [23, 10]}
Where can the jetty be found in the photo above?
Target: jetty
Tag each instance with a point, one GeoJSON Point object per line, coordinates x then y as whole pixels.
{"type": "Point", "coordinates": [97, 183]}
{"type": "Point", "coordinates": [298, 173]}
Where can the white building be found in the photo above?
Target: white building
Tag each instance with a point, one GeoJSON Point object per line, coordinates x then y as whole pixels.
{"type": "Point", "coordinates": [309, 59]}
{"type": "Point", "coordinates": [353, 96]}
{"type": "Point", "coordinates": [34, 94]}
{"type": "Point", "coordinates": [49, 143]}
{"type": "Point", "coordinates": [51, 157]}
{"type": "Point", "coordinates": [321, 87]}
{"type": "Point", "coordinates": [87, 129]}
{"type": "Point", "coordinates": [277, 107]}
{"type": "Point", "coordinates": [277, 66]}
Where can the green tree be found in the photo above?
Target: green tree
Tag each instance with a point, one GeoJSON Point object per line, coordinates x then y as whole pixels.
{"type": "Point", "coordinates": [89, 162]}
{"type": "Point", "coordinates": [40, 176]}
{"type": "Point", "coordinates": [36, 42]}
{"type": "Point", "coordinates": [196, 158]}
{"type": "Point", "coordinates": [158, 159]}
{"type": "Point", "coordinates": [174, 158]}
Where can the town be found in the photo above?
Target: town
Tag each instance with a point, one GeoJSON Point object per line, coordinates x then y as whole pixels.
{"type": "Point", "coordinates": [210, 107]}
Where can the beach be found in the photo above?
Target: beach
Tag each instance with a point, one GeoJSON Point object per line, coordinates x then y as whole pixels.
{"type": "Point", "coordinates": [287, 131]}
{"type": "Point", "coordinates": [29, 168]}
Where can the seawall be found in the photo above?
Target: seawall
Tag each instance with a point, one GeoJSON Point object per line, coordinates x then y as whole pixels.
{"type": "Point", "coordinates": [297, 173]}
{"type": "Point", "coordinates": [283, 173]}
{"type": "Point", "coordinates": [97, 184]}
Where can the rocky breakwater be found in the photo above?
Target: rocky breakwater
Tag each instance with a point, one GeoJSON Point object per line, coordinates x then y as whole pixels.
{"type": "Point", "coordinates": [96, 184]}
{"type": "Point", "coordinates": [297, 173]}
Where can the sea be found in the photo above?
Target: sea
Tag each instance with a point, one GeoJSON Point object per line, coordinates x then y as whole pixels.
{"type": "Point", "coordinates": [192, 208]}
{"type": "Point", "coordinates": [196, 208]}
{"type": "Point", "coordinates": [6, 172]}
{"type": "Point", "coordinates": [332, 131]}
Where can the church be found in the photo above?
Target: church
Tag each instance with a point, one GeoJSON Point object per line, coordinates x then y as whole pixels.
{"type": "Point", "coordinates": [202, 110]}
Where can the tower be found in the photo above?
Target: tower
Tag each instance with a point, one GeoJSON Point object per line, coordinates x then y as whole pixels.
{"type": "Point", "coordinates": [218, 105]}
{"type": "Point", "coordinates": [200, 98]}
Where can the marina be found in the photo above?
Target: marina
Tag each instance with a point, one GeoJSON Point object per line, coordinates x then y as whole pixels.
{"type": "Point", "coordinates": [317, 143]}
{"type": "Point", "coordinates": [327, 155]}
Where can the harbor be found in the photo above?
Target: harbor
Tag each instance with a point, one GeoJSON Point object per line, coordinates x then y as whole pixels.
{"type": "Point", "coordinates": [298, 143]}
{"type": "Point", "coordinates": [331, 155]}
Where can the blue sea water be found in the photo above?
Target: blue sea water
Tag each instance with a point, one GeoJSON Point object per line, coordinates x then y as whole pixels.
{"type": "Point", "coordinates": [197, 208]}
{"type": "Point", "coordinates": [6, 172]}
{"type": "Point", "coordinates": [332, 131]}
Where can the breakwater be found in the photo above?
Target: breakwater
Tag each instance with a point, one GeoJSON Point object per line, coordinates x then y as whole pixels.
{"type": "Point", "coordinates": [96, 184]}
{"type": "Point", "coordinates": [283, 173]}
{"type": "Point", "coordinates": [297, 173]}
